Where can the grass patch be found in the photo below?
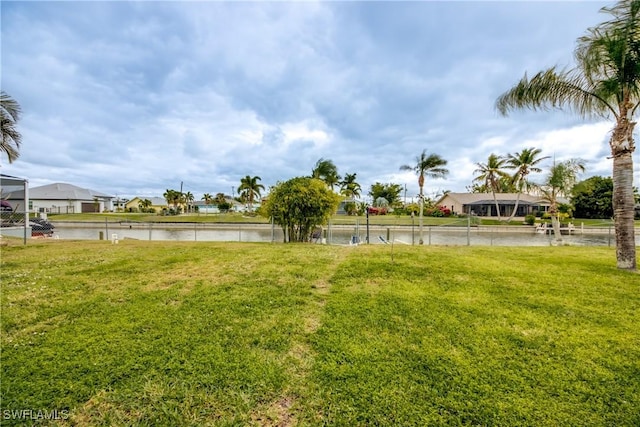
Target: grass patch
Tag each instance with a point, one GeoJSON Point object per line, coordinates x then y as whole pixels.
{"type": "Point", "coordinates": [181, 333]}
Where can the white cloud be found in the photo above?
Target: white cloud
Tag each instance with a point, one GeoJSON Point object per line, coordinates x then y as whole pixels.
{"type": "Point", "coordinates": [137, 97]}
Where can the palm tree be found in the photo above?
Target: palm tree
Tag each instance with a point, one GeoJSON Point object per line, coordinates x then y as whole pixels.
{"type": "Point", "coordinates": [207, 198]}
{"type": "Point", "coordinates": [432, 166]}
{"type": "Point", "coordinates": [220, 198]}
{"type": "Point", "coordinates": [326, 171]}
{"type": "Point", "coordinates": [606, 83]}
{"type": "Point", "coordinates": [490, 175]}
{"type": "Point", "coordinates": [172, 197]}
{"type": "Point", "coordinates": [349, 187]}
{"type": "Point", "coordinates": [524, 163]}
{"type": "Point", "coordinates": [188, 198]}
{"type": "Point", "coordinates": [249, 189]}
{"type": "Point", "coordinates": [9, 116]}
{"type": "Point", "coordinates": [560, 181]}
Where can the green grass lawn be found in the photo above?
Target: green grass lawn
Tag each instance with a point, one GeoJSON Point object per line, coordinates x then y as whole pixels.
{"type": "Point", "coordinates": [193, 334]}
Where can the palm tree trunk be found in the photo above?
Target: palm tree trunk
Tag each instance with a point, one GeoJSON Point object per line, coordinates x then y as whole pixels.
{"type": "Point", "coordinates": [555, 221]}
{"type": "Point", "coordinates": [622, 148]}
{"type": "Point", "coordinates": [515, 208]}
{"type": "Point", "coordinates": [495, 200]}
{"type": "Point", "coordinates": [421, 240]}
{"type": "Point", "coordinates": [555, 224]}
{"type": "Point", "coordinates": [623, 211]}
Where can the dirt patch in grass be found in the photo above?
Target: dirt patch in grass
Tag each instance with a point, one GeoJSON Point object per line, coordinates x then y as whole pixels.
{"type": "Point", "coordinates": [277, 414]}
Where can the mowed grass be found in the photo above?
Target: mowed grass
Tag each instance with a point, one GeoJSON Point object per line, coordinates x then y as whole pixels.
{"type": "Point", "coordinates": [192, 334]}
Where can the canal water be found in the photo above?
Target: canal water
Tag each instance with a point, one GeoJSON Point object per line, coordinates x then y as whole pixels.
{"type": "Point", "coordinates": [341, 235]}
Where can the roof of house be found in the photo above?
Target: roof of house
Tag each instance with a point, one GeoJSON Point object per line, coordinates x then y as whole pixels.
{"type": "Point", "coordinates": [475, 198]}
{"type": "Point", "coordinates": [7, 180]}
{"type": "Point", "coordinates": [155, 201]}
{"type": "Point", "coordinates": [62, 191]}
{"type": "Point", "coordinates": [500, 202]}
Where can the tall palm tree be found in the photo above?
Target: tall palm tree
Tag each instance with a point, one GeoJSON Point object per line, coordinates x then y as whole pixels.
{"type": "Point", "coordinates": [606, 83]}
{"type": "Point", "coordinates": [349, 187]}
{"type": "Point", "coordinates": [490, 175]}
{"type": "Point", "coordinates": [559, 183]}
{"type": "Point", "coordinates": [9, 116]}
{"type": "Point", "coordinates": [431, 165]}
{"type": "Point", "coordinates": [207, 198]}
{"type": "Point", "coordinates": [326, 171]}
{"type": "Point", "coordinates": [524, 162]}
{"type": "Point", "coordinates": [249, 189]}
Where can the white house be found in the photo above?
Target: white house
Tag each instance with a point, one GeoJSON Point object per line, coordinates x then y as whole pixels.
{"type": "Point", "coordinates": [64, 198]}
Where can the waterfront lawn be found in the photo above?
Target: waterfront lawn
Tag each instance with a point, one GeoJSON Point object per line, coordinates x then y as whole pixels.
{"type": "Point", "coordinates": [180, 333]}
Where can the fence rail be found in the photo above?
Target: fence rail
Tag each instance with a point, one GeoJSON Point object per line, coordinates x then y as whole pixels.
{"type": "Point", "coordinates": [338, 232]}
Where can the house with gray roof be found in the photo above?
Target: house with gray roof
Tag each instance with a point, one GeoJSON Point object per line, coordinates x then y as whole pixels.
{"type": "Point", "coordinates": [483, 204]}
{"type": "Point", "coordinates": [64, 198]}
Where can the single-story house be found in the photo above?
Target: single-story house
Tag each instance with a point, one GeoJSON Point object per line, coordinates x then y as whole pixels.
{"type": "Point", "coordinates": [483, 204]}
{"type": "Point", "coordinates": [342, 207]}
{"type": "Point", "coordinates": [63, 198]}
{"type": "Point", "coordinates": [157, 204]}
{"type": "Point", "coordinates": [212, 207]}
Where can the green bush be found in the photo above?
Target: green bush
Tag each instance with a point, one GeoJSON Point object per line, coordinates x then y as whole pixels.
{"type": "Point", "coordinates": [530, 219]}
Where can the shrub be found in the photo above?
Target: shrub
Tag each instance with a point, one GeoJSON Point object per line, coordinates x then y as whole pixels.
{"type": "Point", "coordinates": [530, 219]}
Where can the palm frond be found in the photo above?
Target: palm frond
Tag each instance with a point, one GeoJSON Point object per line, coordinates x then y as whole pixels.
{"type": "Point", "coordinates": [9, 107]}
{"type": "Point", "coordinates": [551, 89]}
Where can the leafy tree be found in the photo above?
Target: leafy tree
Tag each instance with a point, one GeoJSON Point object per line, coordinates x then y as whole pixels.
{"type": "Point", "coordinates": [592, 198]}
{"type": "Point", "coordinates": [389, 192]}
{"type": "Point", "coordinates": [349, 187]}
{"type": "Point", "coordinates": [144, 205]}
{"type": "Point", "coordinates": [490, 174]}
{"type": "Point", "coordinates": [431, 165]}
{"type": "Point", "coordinates": [222, 203]}
{"type": "Point", "coordinates": [299, 205]}
{"type": "Point", "coordinates": [524, 162]}
{"type": "Point", "coordinates": [249, 189]}
{"type": "Point", "coordinates": [326, 171]}
{"type": "Point", "coordinates": [604, 83]}
{"type": "Point", "coordinates": [9, 116]}
{"type": "Point", "coordinates": [560, 181]}
{"type": "Point", "coordinates": [208, 198]}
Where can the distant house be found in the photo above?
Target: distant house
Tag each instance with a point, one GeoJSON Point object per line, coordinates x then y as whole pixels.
{"type": "Point", "coordinates": [212, 207]}
{"type": "Point", "coordinates": [157, 204]}
{"type": "Point", "coordinates": [482, 204]}
{"type": "Point", "coordinates": [64, 198]}
{"type": "Point", "coordinates": [342, 207]}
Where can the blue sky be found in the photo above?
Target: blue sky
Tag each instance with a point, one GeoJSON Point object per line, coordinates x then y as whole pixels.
{"type": "Point", "coordinates": [133, 98]}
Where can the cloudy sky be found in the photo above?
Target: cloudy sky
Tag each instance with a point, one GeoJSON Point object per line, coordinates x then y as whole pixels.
{"type": "Point", "coordinates": [133, 98]}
